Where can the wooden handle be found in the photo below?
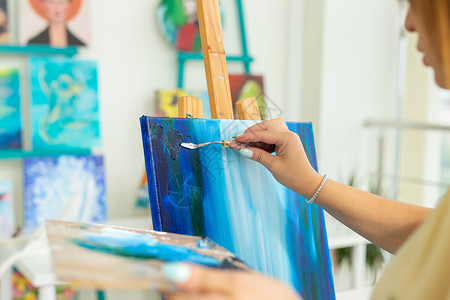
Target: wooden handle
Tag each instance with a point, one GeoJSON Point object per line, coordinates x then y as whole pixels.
{"type": "Point", "coordinates": [190, 107]}
{"type": "Point", "coordinates": [215, 59]}
{"type": "Point", "coordinates": [247, 109]}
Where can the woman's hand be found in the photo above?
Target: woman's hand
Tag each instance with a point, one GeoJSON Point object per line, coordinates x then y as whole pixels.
{"type": "Point", "coordinates": [200, 283]}
{"type": "Point", "coordinates": [290, 166]}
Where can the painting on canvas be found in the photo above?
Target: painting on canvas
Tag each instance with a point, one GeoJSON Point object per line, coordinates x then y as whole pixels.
{"type": "Point", "coordinates": [246, 86]}
{"type": "Point", "coordinates": [10, 120]}
{"type": "Point", "coordinates": [64, 104]}
{"type": "Point", "coordinates": [67, 188]}
{"type": "Point", "coordinates": [7, 225]}
{"type": "Point", "coordinates": [4, 22]}
{"type": "Point", "coordinates": [58, 23]}
{"type": "Point", "coordinates": [236, 202]}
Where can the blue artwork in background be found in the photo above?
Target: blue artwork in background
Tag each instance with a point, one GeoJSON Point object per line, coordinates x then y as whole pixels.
{"type": "Point", "coordinates": [10, 121]}
{"type": "Point", "coordinates": [236, 202]}
{"type": "Point", "coordinates": [64, 188]}
{"type": "Point", "coordinates": [65, 109]}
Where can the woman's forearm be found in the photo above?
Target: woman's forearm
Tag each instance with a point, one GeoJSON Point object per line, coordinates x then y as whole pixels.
{"type": "Point", "coordinates": [386, 223]}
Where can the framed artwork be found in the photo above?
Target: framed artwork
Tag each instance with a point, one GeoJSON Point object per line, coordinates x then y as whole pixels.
{"type": "Point", "coordinates": [236, 202]}
{"type": "Point", "coordinates": [10, 116]}
{"type": "Point", "coordinates": [64, 104]}
{"type": "Point", "coordinates": [58, 23]}
{"type": "Point", "coordinates": [67, 188]}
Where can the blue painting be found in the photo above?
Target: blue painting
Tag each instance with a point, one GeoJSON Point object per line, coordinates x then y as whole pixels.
{"type": "Point", "coordinates": [65, 188]}
{"type": "Point", "coordinates": [65, 108]}
{"type": "Point", "coordinates": [214, 192]}
{"type": "Point", "coordinates": [10, 121]}
{"type": "Point", "coordinates": [7, 225]}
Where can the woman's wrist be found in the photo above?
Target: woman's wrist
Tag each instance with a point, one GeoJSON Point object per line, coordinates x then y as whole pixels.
{"type": "Point", "coordinates": [307, 186]}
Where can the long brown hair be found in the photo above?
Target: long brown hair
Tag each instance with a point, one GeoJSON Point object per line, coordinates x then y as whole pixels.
{"type": "Point", "coordinates": [436, 16]}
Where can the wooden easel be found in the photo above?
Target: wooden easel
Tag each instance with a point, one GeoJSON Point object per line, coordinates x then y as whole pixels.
{"type": "Point", "coordinates": [213, 46]}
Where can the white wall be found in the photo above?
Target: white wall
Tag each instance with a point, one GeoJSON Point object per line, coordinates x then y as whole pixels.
{"type": "Point", "coordinates": [359, 74]}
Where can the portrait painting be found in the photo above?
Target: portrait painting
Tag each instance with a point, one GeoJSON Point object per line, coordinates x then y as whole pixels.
{"type": "Point", "coordinates": [58, 23]}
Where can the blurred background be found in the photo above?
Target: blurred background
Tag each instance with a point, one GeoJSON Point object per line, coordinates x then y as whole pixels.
{"type": "Point", "coordinates": [380, 122]}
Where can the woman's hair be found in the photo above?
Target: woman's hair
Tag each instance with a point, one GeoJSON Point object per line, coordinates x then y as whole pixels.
{"type": "Point", "coordinates": [435, 14]}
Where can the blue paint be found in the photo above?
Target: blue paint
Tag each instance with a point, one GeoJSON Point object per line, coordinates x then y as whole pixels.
{"type": "Point", "coordinates": [244, 209]}
{"type": "Point", "coordinates": [142, 246]}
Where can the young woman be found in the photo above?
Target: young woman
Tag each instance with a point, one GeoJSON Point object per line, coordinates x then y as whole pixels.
{"type": "Point", "coordinates": [419, 237]}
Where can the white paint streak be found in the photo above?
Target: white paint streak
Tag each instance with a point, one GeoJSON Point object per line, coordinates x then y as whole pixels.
{"type": "Point", "coordinates": [219, 38]}
{"type": "Point", "coordinates": [221, 78]}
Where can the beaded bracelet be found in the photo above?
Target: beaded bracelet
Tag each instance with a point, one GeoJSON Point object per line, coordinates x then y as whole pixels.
{"type": "Point", "coordinates": [316, 194]}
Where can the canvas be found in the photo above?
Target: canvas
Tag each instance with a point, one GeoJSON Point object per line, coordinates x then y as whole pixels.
{"type": "Point", "coordinates": [4, 22]}
{"type": "Point", "coordinates": [178, 22]}
{"type": "Point", "coordinates": [65, 108]}
{"type": "Point", "coordinates": [67, 188]}
{"type": "Point", "coordinates": [7, 223]}
{"type": "Point", "coordinates": [37, 17]}
{"type": "Point", "coordinates": [101, 256]}
{"type": "Point", "coordinates": [10, 117]}
{"type": "Point", "coordinates": [166, 105]}
{"type": "Point", "coordinates": [236, 202]}
{"type": "Point", "coordinates": [245, 86]}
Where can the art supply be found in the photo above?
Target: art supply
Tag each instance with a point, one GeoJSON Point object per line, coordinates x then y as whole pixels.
{"type": "Point", "coordinates": [232, 144]}
{"type": "Point", "coordinates": [100, 256]}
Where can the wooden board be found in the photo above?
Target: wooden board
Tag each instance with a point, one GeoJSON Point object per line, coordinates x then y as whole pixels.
{"type": "Point", "coordinates": [215, 59]}
{"type": "Point", "coordinates": [190, 107]}
{"type": "Point", "coordinates": [248, 109]}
